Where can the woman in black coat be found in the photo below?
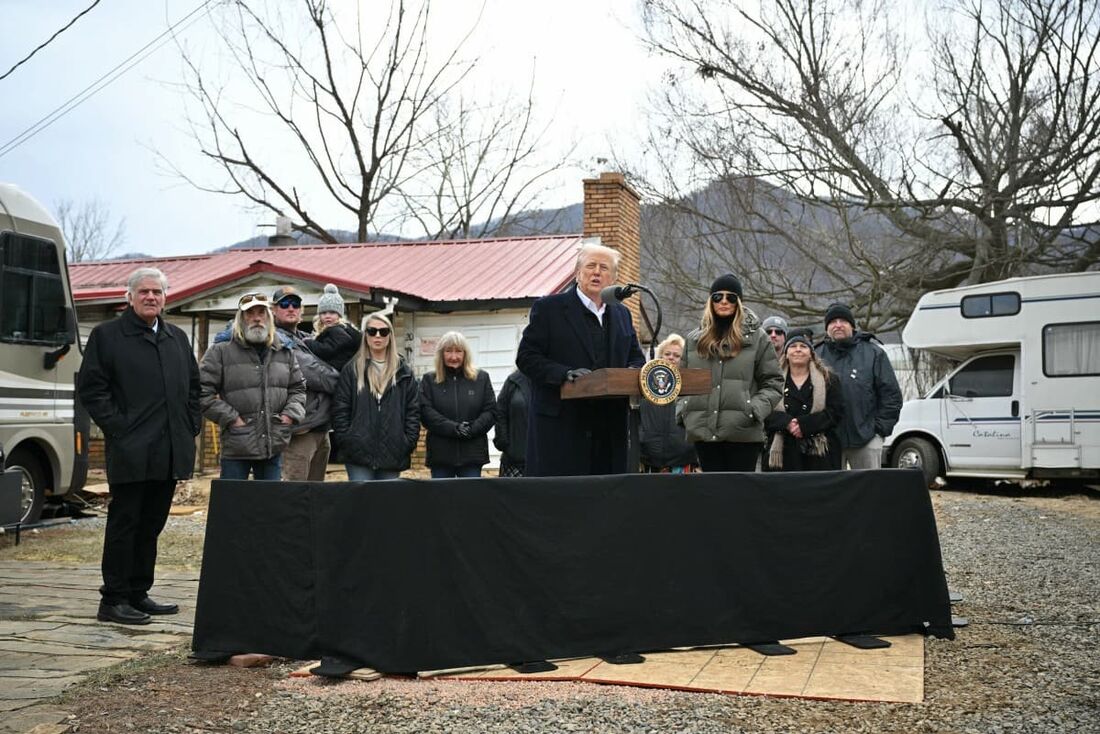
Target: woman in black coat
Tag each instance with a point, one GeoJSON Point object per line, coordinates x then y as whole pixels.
{"type": "Point", "coordinates": [458, 408]}
{"type": "Point", "coordinates": [804, 430]}
{"type": "Point", "coordinates": [511, 432]}
{"type": "Point", "coordinates": [376, 407]}
{"type": "Point", "coordinates": [665, 448]}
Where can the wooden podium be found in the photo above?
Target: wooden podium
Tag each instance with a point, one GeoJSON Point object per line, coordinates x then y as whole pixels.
{"type": "Point", "coordinates": [619, 382]}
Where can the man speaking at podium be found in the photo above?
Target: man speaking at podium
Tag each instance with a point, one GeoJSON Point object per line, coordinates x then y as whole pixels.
{"type": "Point", "coordinates": [567, 336]}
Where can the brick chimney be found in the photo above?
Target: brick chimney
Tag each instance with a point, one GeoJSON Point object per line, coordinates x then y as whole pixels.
{"type": "Point", "coordinates": [612, 212]}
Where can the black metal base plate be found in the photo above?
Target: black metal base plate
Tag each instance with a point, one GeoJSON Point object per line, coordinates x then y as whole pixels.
{"type": "Point", "coordinates": [863, 642]}
{"type": "Point", "coordinates": [533, 666]}
{"type": "Point", "coordinates": [771, 648]}
{"type": "Point", "coordinates": [334, 668]}
{"type": "Point", "coordinates": [626, 658]}
{"type": "Point", "coordinates": [213, 657]}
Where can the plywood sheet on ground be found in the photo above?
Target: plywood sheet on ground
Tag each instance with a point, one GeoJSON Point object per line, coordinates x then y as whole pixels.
{"type": "Point", "coordinates": [821, 668]}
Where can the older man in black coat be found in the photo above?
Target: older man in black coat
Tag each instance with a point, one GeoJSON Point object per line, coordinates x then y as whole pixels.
{"type": "Point", "coordinates": [140, 384]}
{"type": "Point", "coordinates": [568, 335]}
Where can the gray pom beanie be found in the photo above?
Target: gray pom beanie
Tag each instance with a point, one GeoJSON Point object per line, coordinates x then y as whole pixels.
{"type": "Point", "coordinates": [330, 300]}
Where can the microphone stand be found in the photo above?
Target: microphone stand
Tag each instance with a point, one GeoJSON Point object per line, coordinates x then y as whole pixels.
{"type": "Point", "coordinates": [629, 289]}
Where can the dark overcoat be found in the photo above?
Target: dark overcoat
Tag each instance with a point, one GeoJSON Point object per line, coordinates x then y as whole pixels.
{"type": "Point", "coordinates": [142, 389]}
{"type": "Point", "coordinates": [556, 340]}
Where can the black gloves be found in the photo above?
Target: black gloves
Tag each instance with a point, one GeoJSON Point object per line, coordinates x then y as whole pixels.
{"type": "Point", "coordinates": [463, 429]}
{"type": "Point", "coordinates": [572, 375]}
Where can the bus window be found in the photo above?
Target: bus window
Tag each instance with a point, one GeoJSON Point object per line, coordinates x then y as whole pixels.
{"type": "Point", "coordinates": [32, 294]}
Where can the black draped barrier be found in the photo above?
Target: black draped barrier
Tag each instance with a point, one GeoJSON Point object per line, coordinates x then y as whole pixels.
{"type": "Point", "coordinates": [410, 575]}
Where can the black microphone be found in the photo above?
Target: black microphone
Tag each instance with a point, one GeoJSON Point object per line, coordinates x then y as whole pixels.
{"type": "Point", "coordinates": [618, 292]}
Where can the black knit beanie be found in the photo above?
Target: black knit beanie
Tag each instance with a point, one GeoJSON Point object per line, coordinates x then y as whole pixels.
{"type": "Point", "coordinates": [839, 311]}
{"type": "Point", "coordinates": [727, 282]}
{"type": "Point", "coordinates": [798, 339]}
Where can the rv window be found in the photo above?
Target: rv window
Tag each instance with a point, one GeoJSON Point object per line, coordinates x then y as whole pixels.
{"type": "Point", "coordinates": [32, 296]}
{"type": "Point", "coordinates": [1071, 349]}
{"type": "Point", "coordinates": [985, 377]}
{"type": "Point", "coordinates": [993, 304]}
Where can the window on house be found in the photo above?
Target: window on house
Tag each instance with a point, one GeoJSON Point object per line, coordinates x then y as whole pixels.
{"type": "Point", "coordinates": [32, 294]}
{"type": "Point", "coordinates": [1071, 349]}
{"type": "Point", "coordinates": [985, 377]}
{"type": "Point", "coordinates": [992, 304]}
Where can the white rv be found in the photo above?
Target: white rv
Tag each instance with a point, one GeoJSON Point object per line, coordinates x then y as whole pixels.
{"type": "Point", "coordinates": [43, 434]}
{"type": "Point", "coordinates": [1024, 402]}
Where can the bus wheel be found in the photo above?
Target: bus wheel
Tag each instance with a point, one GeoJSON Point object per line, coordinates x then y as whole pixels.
{"type": "Point", "coordinates": [34, 482]}
{"type": "Point", "coordinates": [916, 453]}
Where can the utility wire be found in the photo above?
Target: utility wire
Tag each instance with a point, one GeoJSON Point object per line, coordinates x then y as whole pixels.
{"type": "Point", "coordinates": [102, 82]}
{"type": "Point", "coordinates": [48, 41]}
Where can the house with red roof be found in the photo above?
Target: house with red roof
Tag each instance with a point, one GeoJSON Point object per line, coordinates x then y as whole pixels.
{"type": "Point", "coordinates": [482, 288]}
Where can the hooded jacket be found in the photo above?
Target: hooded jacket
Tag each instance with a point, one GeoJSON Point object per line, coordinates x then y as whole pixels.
{"type": "Point", "coordinates": [744, 389]}
{"type": "Point", "coordinates": [238, 382]}
{"type": "Point", "coordinates": [379, 433]}
{"type": "Point", "coordinates": [512, 405]}
{"type": "Point", "coordinates": [872, 398]}
{"type": "Point", "coordinates": [320, 379]}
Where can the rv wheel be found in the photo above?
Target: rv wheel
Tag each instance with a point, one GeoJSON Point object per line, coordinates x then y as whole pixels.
{"type": "Point", "coordinates": [34, 482]}
{"type": "Point", "coordinates": [916, 453]}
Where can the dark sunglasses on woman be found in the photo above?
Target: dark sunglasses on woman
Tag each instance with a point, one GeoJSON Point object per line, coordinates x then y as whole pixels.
{"type": "Point", "coordinates": [723, 296]}
{"type": "Point", "coordinates": [377, 331]}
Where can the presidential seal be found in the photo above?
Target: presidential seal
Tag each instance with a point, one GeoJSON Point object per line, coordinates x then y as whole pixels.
{"type": "Point", "coordinates": [660, 381]}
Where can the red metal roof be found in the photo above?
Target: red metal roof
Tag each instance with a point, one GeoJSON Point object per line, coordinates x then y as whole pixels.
{"type": "Point", "coordinates": [458, 270]}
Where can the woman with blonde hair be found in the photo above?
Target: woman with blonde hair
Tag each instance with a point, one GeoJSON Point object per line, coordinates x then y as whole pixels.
{"type": "Point", "coordinates": [804, 430]}
{"type": "Point", "coordinates": [727, 424]}
{"type": "Point", "coordinates": [665, 448]}
{"type": "Point", "coordinates": [376, 407]}
{"type": "Point", "coordinates": [459, 408]}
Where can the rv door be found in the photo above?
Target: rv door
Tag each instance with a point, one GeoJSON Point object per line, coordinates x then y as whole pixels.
{"type": "Point", "coordinates": [981, 414]}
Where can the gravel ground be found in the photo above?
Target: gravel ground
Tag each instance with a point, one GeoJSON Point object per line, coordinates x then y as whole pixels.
{"type": "Point", "coordinates": [1029, 568]}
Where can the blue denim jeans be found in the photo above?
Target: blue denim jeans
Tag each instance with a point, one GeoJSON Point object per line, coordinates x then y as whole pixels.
{"type": "Point", "coordinates": [466, 471]}
{"type": "Point", "coordinates": [360, 473]}
{"type": "Point", "coordinates": [269, 469]}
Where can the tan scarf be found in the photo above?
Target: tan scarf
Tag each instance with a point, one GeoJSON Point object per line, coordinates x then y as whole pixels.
{"type": "Point", "coordinates": [819, 444]}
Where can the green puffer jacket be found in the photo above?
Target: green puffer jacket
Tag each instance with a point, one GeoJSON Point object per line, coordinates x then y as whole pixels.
{"type": "Point", "coordinates": [235, 382]}
{"type": "Point", "coordinates": [744, 389]}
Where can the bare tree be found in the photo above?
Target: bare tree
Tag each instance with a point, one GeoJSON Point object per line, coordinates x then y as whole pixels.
{"type": "Point", "coordinates": [363, 116]}
{"type": "Point", "coordinates": [486, 171]}
{"type": "Point", "coordinates": [88, 230]}
{"type": "Point", "coordinates": [838, 160]}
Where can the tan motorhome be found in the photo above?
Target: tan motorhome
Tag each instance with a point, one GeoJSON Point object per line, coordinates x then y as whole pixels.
{"type": "Point", "coordinates": [43, 434]}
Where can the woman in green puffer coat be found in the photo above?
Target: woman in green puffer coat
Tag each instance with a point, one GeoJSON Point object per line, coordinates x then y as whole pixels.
{"type": "Point", "coordinates": [727, 424]}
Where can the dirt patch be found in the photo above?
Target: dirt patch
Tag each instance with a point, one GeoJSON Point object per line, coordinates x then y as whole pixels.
{"type": "Point", "coordinates": [167, 693]}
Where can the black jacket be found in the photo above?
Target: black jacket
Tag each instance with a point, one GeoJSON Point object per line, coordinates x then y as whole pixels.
{"type": "Point", "coordinates": [443, 405]}
{"type": "Point", "coordinates": [378, 433]}
{"type": "Point", "coordinates": [336, 345]}
{"type": "Point", "coordinates": [512, 404]}
{"type": "Point", "coordinates": [872, 398]}
{"type": "Point", "coordinates": [142, 388]}
{"type": "Point", "coordinates": [797, 403]}
{"type": "Point", "coordinates": [664, 442]}
{"type": "Point", "coordinates": [320, 379]}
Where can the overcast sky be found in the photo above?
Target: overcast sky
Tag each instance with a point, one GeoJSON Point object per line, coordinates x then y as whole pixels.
{"type": "Point", "coordinates": [591, 74]}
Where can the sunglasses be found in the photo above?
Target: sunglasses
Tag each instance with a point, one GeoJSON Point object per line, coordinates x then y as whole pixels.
{"type": "Point", "coordinates": [378, 331]}
{"type": "Point", "coordinates": [289, 303]}
{"type": "Point", "coordinates": [773, 332]}
{"type": "Point", "coordinates": [723, 296]}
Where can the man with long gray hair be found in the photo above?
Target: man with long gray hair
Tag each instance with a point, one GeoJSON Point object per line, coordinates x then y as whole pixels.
{"type": "Point", "coordinates": [253, 390]}
{"type": "Point", "coordinates": [140, 384]}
